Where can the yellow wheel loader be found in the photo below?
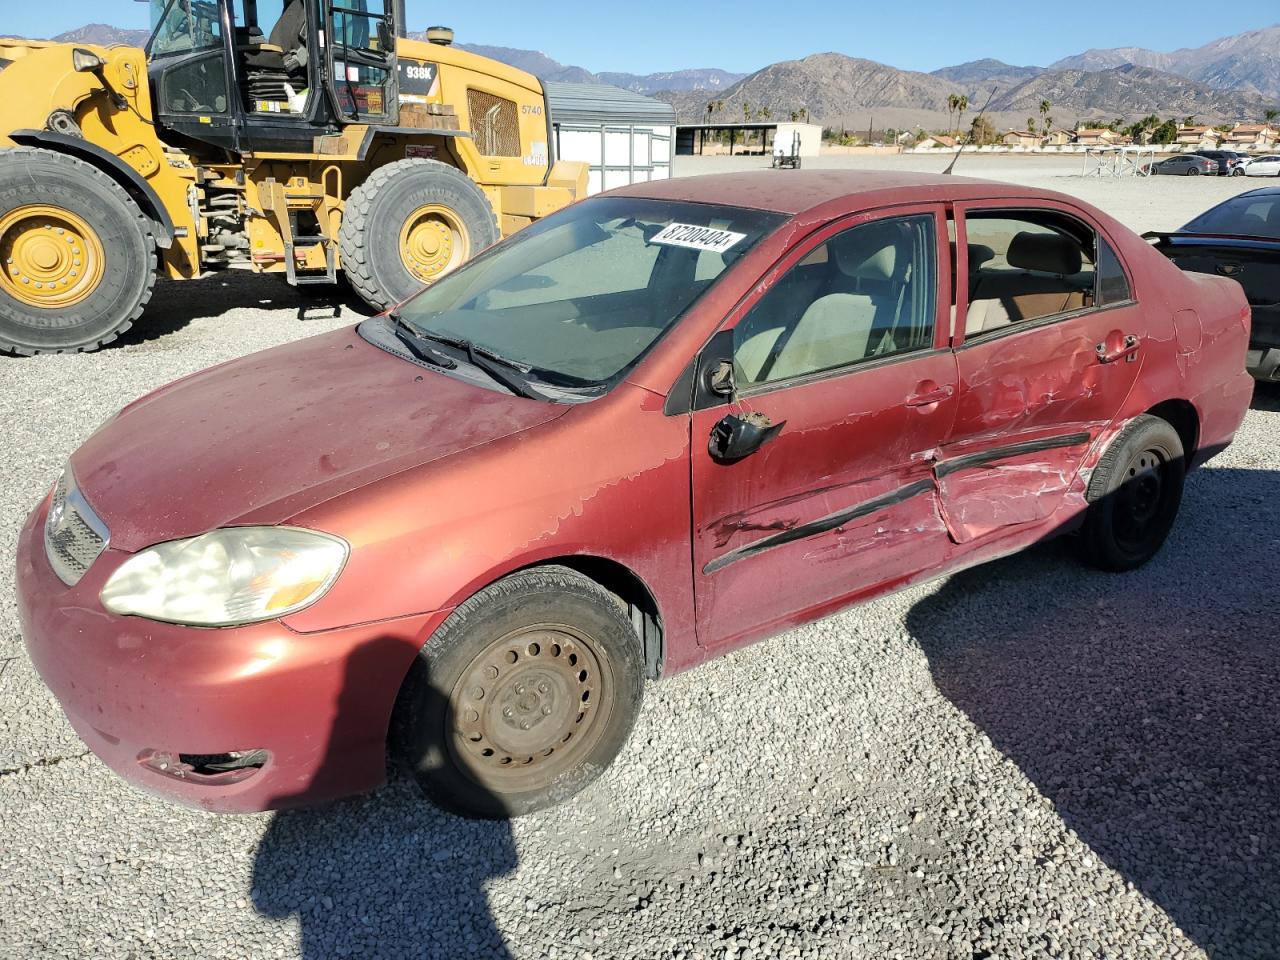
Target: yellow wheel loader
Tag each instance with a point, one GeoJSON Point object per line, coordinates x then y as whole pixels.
{"type": "Point", "coordinates": [298, 137]}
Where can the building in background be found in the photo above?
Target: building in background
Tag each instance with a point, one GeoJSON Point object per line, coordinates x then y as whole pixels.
{"type": "Point", "coordinates": [751, 137]}
{"type": "Point", "coordinates": [622, 136]}
{"type": "Point", "coordinates": [1198, 137]}
{"type": "Point", "coordinates": [1252, 136]}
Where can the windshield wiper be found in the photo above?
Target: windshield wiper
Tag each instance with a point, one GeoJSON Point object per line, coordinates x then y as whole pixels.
{"type": "Point", "coordinates": [463, 344]}
{"type": "Point", "coordinates": [413, 341]}
{"type": "Point", "coordinates": [494, 364]}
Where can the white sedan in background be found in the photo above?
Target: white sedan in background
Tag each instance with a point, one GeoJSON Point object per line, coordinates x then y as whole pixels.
{"type": "Point", "coordinates": [1268, 166]}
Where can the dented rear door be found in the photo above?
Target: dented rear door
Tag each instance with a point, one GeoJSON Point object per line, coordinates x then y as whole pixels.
{"type": "Point", "coordinates": [1034, 396]}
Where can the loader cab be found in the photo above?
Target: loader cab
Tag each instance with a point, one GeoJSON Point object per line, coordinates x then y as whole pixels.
{"type": "Point", "coordinates": [271, 75]}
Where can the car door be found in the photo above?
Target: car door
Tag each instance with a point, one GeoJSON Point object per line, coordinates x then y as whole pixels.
{"type": "Point", "coordinates": [842, 387]}
{"type": "Point", "coordinates": [1049, 345]}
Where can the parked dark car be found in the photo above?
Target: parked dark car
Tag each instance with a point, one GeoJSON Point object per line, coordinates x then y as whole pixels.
{"type": "Point", "coordinates": [1227, 160]}
{"type": "Point", "coordinates": [1240, 239]}
{"type": "Point", "coordinates": [1184, 165]}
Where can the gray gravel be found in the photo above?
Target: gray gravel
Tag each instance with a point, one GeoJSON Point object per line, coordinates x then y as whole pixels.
{"type": "Point", "coordinates": [1027, 759]}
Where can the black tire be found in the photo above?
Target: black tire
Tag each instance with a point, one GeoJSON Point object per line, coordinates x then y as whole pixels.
{"type": "Point", "coordinates": [380, 208]}
{"type": "Point", "coordinates": [522, 697]}
{"type": "Point", "coordinates": [34, 177]}
{"type": "Point", "coordinates": [1193, 171]}
{"type": "Point", "coordinates": [1134, 495]}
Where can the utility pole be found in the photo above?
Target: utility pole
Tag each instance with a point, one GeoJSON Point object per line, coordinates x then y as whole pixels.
{"type": "Point", "coordinates": [871, 125]}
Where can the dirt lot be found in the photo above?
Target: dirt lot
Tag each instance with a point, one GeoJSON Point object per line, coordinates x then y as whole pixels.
{"type": "Point", "coordinates": [1027, 759]}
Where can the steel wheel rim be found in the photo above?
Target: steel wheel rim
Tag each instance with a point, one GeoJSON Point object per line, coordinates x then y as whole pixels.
{"type": "Point", "coordinates": [51, 257]}
{"type": "Point", "coordinates": [1140, 497]}
{"type": "Point", "coordinates": [530, 706]}
{"type": "Point", "coordinates": [433, 241]}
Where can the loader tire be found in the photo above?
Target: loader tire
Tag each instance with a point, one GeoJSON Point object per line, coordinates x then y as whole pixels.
{"type": "Point", "coordinates": [409, 224]}
{"type": "Point", "coordinates": [77, 254]}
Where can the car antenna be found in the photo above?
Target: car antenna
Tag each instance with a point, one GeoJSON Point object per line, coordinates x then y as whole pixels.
{"type": "Point", "coordinates": [952, 165]}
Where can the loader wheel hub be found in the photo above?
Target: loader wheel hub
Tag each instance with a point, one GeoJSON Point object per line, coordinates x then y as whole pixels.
{"type": "Point", "coordinates": [51, 257]}
{"type": "Point", "coordinates": [433, 242]}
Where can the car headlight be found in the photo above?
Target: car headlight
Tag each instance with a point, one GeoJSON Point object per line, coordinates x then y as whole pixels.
{"type": "Point", "coordinates": [229, 577]}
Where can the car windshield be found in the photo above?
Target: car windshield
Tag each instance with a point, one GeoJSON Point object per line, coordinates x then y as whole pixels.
{"type": "Point", "coordinates": [580, 296]}
{"type": "Point", "coordinates": [1248, 215]}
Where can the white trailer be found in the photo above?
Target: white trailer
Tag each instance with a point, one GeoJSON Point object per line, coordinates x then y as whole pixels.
{"type": "Point", "coordinates": [622, 136]}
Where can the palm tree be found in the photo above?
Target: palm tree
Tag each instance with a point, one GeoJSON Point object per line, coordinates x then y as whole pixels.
{"type": "Point", "coordinates": [953, 102]}
{"type": "Point", "coordinates": [1045, 107]}
{"type": "Point", "coordinates": [804, 114]}
{"type": "Point", "coordinates": [764, 113]}
{"type": "Point", "coordinates": [962, 104]}
{"type": "Point", "coordinates": [1271, 115]}
{"type": "Point", "coordinates": [746, 112]}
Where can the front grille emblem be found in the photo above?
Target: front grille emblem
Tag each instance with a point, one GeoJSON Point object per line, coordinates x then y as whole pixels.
{"type": "Point", "coordinates": [74, 536]}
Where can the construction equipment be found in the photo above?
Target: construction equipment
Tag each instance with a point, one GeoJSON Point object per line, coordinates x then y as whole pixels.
{"type": "Point", "coordinates": [297, 137]}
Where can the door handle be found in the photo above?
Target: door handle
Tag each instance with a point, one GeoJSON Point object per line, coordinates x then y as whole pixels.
{"type": "Point", "coordinates": [928, 397]}
{"type": "Point", "coordinates": [1128, 350]}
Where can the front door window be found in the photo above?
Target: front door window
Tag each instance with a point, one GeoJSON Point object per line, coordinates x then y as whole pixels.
{"type": "Point", "coordinates": [841, 356]}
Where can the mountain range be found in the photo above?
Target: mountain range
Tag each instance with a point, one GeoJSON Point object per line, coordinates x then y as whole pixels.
{"type": "Point", "coordinates": [1228, 79]}
{"type": "Point", "coordinates": [540, 65]}
{"type": "Point", "coordinates": [849, 92]}
{"type": "Point", "coordinates": [1247, 61]}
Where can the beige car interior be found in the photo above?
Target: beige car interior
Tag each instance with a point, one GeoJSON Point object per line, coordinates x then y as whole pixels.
{"type": "Point", "coordinates": [853, 294]}
{"type": "Point", "coordinates": [1044, 273]}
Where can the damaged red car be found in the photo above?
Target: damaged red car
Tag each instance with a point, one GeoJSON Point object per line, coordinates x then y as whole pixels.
{"type": "Point", "coordinates": [646, 430]}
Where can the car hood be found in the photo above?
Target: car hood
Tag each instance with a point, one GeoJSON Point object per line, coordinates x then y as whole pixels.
{"type": "Point", "coordinates": [260, 439]}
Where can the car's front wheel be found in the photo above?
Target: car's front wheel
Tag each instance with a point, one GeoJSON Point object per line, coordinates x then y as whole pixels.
{"type": "Point", "coordinates": [1134, 495]}
{"type": "Point", "coordinates": [1193, 172]}
{"type": "Point", "coordinates": [522, 697]}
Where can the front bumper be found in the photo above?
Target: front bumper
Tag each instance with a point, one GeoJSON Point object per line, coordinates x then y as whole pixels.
{"type": "Point", "coordinates": [142, 694]}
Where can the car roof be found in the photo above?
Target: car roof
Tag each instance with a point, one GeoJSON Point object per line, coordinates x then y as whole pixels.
{"type": "Point", "coordinates": [798, 191]}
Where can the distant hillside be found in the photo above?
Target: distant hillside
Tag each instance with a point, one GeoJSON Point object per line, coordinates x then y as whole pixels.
{"type": "Point", "coordinates": [105, 36]}
{"type": "Point", "coordinates": [849, 92]}
{"type": "Point", "coordinates": [1129, 91]}
{"type": "Point", "coordinates": [706, 80]}
{"type": "Point", "coordinates": [985, 72]}
{"type": "Point", "coordinates": [1247, 61]}
{"type": "Point", "coordinates": [541, 65]}
{"type": "Point", "coordinates": [832, 87]}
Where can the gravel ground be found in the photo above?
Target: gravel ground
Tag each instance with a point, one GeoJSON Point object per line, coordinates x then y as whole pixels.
{"type": "Point", "coordinates": [1029, 759]}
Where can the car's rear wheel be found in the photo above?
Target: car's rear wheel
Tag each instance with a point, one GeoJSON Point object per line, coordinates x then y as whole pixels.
{"type": "Point", "coordinates": [1134, 495]}
{"type": "Point", "coordinates": [522, 697]}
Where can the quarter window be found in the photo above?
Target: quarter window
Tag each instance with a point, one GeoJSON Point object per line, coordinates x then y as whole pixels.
{"type": "Point", "coordinates": [867, 293]}
{"type": "Point", "coordinates": [1113, 285]}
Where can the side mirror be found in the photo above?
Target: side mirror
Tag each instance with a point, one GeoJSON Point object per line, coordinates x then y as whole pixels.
{"type": "Point", "coordinates": [386, 38]}
{"type": "Point", "coordinates": [734, 437]}
{"type": "Point", "coordinates": [720, 378]}
{"type": "Point", "coordinates": [86, 61]}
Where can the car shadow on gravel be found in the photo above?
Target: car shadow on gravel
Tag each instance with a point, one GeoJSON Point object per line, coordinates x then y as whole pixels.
{"type": "Point", "coordinates": [176, 304]}
{"type": "Point", "coordinates": [382, 876]}
{"type": "Point", "coordinates": [1145, 705]}
{"type": "Point", "coordinates": [1266, 396]}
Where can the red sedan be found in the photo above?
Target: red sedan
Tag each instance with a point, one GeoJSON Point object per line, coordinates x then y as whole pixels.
{"type": "Point", "coordinates": [651, 428]}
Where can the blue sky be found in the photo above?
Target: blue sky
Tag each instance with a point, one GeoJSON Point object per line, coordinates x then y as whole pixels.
{"type": "Point", "coordinates": [748, 34]}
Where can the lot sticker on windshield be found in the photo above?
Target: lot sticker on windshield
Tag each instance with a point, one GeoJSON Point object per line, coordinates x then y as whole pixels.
{"type": "Point", "coordinates": [698, 238]}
